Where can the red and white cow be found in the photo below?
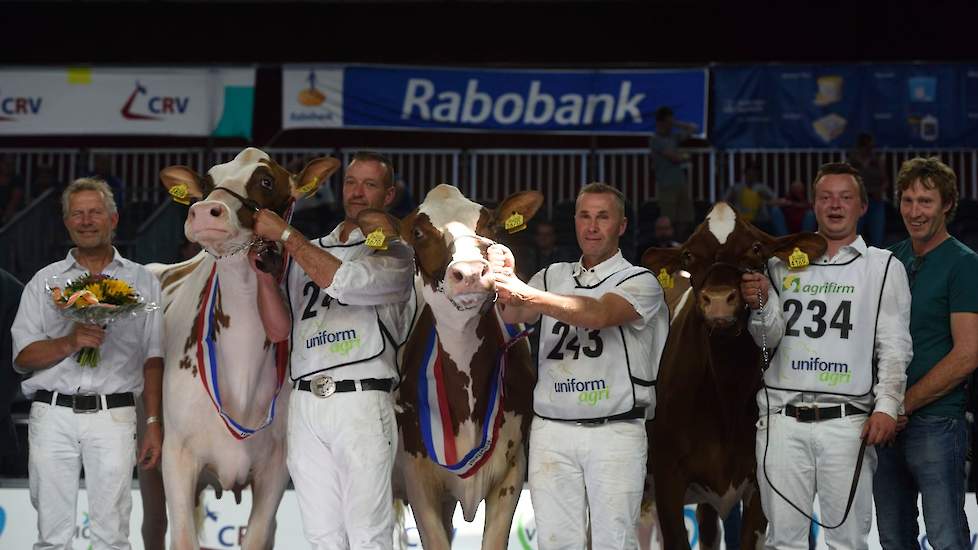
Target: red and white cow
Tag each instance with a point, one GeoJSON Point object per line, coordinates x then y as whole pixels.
{"type": "Point", "coordinates": [216, 345]}
{"type": "Point", "coordinates": [701, 442]}
{"type": "Point", "coordinates": [458, 444]}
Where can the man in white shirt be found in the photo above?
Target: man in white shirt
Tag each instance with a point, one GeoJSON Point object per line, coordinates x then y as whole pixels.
{"type": "Point", "coordinates": [348, 317]}
{"type": "Point", "coordinates": [838, 374]}
{"type": "Point", "coordinates": [86, 416]}
{"type": "Point", "coordinates": [603, 327]}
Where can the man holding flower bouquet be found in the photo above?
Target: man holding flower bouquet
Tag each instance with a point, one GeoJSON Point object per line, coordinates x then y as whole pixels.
{"type": "Point", "coordinates": [83, 412]}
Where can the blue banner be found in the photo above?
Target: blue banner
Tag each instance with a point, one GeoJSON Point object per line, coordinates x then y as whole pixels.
{"type": "Point", "coordinates": [589, 101]}
{"type": "Point", "coordinates": [908, 105]}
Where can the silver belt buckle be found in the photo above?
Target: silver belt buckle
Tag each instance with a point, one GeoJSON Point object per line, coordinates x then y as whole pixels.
{"type": "Point", "coordinates": [75, 401]}
{"type": "Point", "coordinates": [322, 386]}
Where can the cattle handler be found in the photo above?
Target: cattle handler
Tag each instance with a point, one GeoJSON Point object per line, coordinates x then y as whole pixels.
{"type": "Point", "coordinates": [604, 324]}
{"type": "Point", "coordinates": [347, 305]}
{"type": "Point", "coordinates": [840, 325]}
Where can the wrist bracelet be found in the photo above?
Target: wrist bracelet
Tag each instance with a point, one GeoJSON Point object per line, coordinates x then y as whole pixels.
{"type": "Point", "coordinates": [285, 234]}
{"type": "Point", "coordinates": [152, 420]}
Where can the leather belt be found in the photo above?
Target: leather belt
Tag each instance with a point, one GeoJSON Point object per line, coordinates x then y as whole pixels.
{"type": "Point", "coordinates": [817, 414]}
{"type": "Point", "coordinates": [85, 403]}
{"type": "Point", "coordinates": [637, 412]}
{"type": "Point", "coordinates": [324, 386]}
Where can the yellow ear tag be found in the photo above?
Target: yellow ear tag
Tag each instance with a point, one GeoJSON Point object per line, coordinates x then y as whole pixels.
{"type": "Point", "coordinates": [309, 187]}
{"type": "Point", "coordinates": [180, 193]}
{"type": "Point", "coordinates": [377, 240]}
{"type": "Point", "coordinates": [515, 223]}
{"type": "Point", "coordinates": [665, 279]}
{"type": "Point", "coordinates": [797, 259]}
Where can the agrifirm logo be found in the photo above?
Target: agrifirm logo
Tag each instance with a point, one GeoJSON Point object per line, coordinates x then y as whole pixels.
{"type": "Point", "coordinates": [793, 283]}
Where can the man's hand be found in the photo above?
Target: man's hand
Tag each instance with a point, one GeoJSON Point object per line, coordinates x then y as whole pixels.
{"type": "Point", "coordinates": [753, 288]}
{"type": "Point", "coordinates": [902, 421]}
{"type": "Point", "coordinates": [511, 290]}
{"type": "Point", "coordinates": [268, 225]}
{"type": "Point", "coordinates": [501, 259]}
{"type": "Point", "coordinates": [152, 447]}
{"type": "Point", "coordinates": [880, 428]}
{"type": "Point", "coordinates": [85, 335]}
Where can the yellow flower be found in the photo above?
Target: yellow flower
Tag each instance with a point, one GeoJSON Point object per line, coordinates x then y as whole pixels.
{"type": "Point", "coordinates": [116, 288]}
{"type": "Point", "coordinates": [96, 289]}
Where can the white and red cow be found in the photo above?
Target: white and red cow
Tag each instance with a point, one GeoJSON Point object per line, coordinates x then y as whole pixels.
{"type": "Point", "coordinates": [217, 354]}
{"type": "Point", "coordinates": [465, 399]}
{"type": "Point", "coordinates": [701, 442]}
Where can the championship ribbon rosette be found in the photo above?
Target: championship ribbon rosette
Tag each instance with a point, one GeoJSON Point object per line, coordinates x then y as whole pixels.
{"type": "Point", "coordinates": [96, 300]}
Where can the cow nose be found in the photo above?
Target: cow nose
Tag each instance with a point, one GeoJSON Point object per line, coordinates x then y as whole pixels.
{"type": "Point", "coordinates": [720, 304]}
{"type": "Point", "coordinates": [468, 272]}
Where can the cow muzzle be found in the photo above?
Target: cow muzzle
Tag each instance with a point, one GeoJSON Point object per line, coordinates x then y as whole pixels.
{"type": "Point", "coordinates": [720, 306]}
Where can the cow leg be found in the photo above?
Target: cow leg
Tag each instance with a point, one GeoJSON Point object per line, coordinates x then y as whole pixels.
{"type": "Point", "coordinates": [267, 486]}
{"type": "Point", "coordinates": [709, 523]}
{"type": "Point", "coordinates": [426, 505]}
{"type": "Point", "coordinates": [670, 494]}
{"type": "Point", "coordinates": [501, 505]}
{"type": "Point", "coordinates": [180, 474]}
{"type": "Point", "coordinates": [754, 524]}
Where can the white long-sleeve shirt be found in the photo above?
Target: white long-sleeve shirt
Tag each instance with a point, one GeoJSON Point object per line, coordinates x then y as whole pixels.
{"type": "Point", "coordinates": [893, 345]}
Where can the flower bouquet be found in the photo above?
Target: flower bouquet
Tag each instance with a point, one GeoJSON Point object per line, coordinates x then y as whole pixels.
{"type": "Point", "coordinates": [97, 300]}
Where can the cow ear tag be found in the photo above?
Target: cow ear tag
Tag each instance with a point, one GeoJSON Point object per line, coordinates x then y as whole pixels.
{"type": "Point", "coordinates": [309, 187]}
{"type": "Point", "coordinates": [797, 259]}
{"type": "Point", "coordinates": [180, 193]}
{"type": "Point", "coordinates": [377, 240]}
{"type": "Point", "coordinates": [665, 279]}
{"type": "Point", "coordinates": [515, 223]}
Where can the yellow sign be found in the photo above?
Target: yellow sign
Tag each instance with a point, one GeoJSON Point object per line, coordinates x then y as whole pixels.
{"type": "Point", "coordinates": [180, 193]}
{"type": "Point", "coordinates": [309, 187]}
{"type": "Point", "coordinates": [665, 279]}
{"type": "Point", "coordinates": [797, 259]}
{"type": "Point", "coordinates": [79, 75]}
{"type": "Point", "coordinates": [377, 240]}
{"type": "Point", "coordinates": [515, 223]}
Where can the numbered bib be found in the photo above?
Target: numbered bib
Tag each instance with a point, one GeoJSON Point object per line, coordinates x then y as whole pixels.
{"type": "Point", "coordinates": [830, 314]}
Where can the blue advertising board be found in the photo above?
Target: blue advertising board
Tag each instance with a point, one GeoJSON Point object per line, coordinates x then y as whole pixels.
{"type": "Point", "coordinates": [901, 105]}
{"type": "Point", "coordinates": [585, 101]}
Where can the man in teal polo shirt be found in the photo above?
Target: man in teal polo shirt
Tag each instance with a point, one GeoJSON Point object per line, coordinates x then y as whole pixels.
{"type": "Point", "coordinates": [928, 456]}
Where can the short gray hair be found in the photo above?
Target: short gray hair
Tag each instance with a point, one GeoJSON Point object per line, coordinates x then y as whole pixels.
{"type": "Point", "coordinates": [599, 187]}
{"type": "Point", "coordinates": [88, 184]}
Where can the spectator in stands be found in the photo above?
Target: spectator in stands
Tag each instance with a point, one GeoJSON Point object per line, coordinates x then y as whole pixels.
{"type": "Point", "coordinates": [102, 169]}
{"type": "Point", "coordinates": [863, 157]}
{"type": "Point", "coordinates": [756, 202]}
{"type": "Point", "coordinates": [663, 236]}
{"type": "Point", "coordinates": [11, 190]}
{"type": "Point", "coordinates": [10, 291]}
{"type": "Point", "coordinates": [403, 203]}
{"type": "Point", "coordinates": [796, 207]}
{"type": "Point", "coordinates": [671, 188]}
{"type": "Point", "coordinates": [545, 250]}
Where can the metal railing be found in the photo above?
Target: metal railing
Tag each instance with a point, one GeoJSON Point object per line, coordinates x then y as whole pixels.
{"type": "Point", "coordinates": [34, 238]}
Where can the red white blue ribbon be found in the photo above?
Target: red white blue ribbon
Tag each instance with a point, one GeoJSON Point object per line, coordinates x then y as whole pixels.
{"type": "Point", "coordinates": [207, 363]}
{"type": "Point", "coordinates": [435, 414]}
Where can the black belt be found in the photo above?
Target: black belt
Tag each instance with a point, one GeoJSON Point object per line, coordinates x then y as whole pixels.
{"type": "Point", "coordinates": [638, 412]}
{"type": "Point", "coordinates": [366, 384]}
{"type": "Point", "coordinates": [816, 414]}
{"type": "Point", "coordinates": [82, 403]}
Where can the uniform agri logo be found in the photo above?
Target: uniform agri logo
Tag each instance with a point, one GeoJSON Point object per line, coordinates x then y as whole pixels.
{"type": "Point", "coordinates": [143, 105]}
{"type": "Point", "coordinates": [793, 283]}
{"type": "Point", "coordinates": [589, 392]}
{"type": "Point", "coordinates": [12, 107]}
{"type": "Point", "coordinates": [341, 341]}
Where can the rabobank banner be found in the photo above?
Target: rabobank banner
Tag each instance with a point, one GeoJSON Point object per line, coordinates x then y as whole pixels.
{"type": "Point", "coordinates": [901, 105]}
{"type": "Point", "coordinates": [585, 101]}
{"type": "Point", "coordinates": [143, 101]}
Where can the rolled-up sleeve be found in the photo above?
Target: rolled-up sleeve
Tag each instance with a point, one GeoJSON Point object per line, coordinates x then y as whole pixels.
{"type": "Point", "coordinates": [645, 294]}
{"type": "Point", "coordinates": [376, 278]}
{"type": "Point", "coordinates": [28, 326]}
{"type": "Point", "coordinates": [894, 347]}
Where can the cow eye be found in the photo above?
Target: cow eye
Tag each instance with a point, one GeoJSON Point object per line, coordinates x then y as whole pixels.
{"type": "Point", "coordinates": [266, 183]}
{"type": "Point", "coordinates": [757, 248]}
{"type": "Point", "coordinates": [418, 233]}
{"type": "Point", "coordinates": [686, 258]}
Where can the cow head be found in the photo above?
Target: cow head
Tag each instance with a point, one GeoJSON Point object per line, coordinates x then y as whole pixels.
{"type": "Point", "coordinates": [450, 235]}
{"type": "Point", "coordinates": [227, 197]}
{"type": "Point", "coordinates": [715, 256]}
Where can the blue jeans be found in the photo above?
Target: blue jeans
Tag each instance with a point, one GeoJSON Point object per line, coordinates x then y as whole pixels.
{"type": "Point", "coordinates": [927, 458]}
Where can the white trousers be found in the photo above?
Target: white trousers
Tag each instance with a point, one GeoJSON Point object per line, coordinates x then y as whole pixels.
{"type": "Point", "coordinates": [805, 459]}
{"type": "Point", "coordinates": [341, 455]}
{"type": "Point", "coordinates": [61, 442]}
{"type": "Point", "coordinates": [579, 473]}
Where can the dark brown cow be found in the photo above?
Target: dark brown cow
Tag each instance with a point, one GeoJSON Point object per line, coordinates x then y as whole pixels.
{"type": "Point", "coordinates": [443, 427]}
{"type": "Point", "coordinates": [702, 438]}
